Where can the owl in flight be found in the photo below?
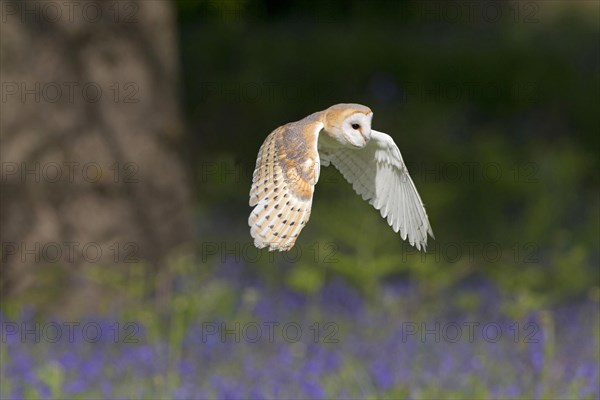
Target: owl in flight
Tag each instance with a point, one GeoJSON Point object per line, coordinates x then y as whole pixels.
{"type": "Point", "coordinates": [288, 166]}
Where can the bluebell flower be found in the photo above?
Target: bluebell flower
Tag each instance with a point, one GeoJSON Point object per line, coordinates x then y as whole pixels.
{"type": "Point", "coordinates": [74, 386]}
{"type": "Point", "coordinates": [189, 391]}
{"type": "Point", "coordinates": [186, 368]}
{"type": "Point", "coordinates": [226, 388]}
{"type": "Point", "coordinates": [92, 367]}
{"type": "Point", "coordinates": [106, 388]}
{"type": "Point", "coordinates": [17, 392]}
{"type": "Point", "coordinates": [257, 393]}
{"type": "Point", "coordinates": [291, 300]}
{"type": "Point", "coordinates": [512, 391]}
{"type": "Point", "coordinates": [69, 360]}
{"type": "Point", "coordinates": [44, 391]}
{"type": "Point", "coordinates": [312, 389]}
{"type": "Point", "coordinates": [382, 375]}
{"type": "Point", "coordinates": [536, 356]}
{"type": "Point", "coordinates": [22, 366]}
{"type": "Point", "coordinates": [265, 309]}
{"type": "Point", "coordinates": [339, 296]}
{"type": "Point", "coordinates": [371, 340]}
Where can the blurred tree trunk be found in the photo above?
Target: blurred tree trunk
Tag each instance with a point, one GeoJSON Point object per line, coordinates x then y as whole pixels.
{"type": "Point", "coordinates": [90, 130]}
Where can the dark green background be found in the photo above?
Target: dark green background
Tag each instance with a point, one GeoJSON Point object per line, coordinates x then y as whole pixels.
{"type": "Point", "coordinates": [493, 105]}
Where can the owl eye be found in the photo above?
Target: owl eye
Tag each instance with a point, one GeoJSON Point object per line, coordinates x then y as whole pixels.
{"type": "Point", "coordinates": [355, 126]}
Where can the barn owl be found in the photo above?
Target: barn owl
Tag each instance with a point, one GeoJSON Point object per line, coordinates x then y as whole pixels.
{"type": "Point", "coordinates": [288, 167]}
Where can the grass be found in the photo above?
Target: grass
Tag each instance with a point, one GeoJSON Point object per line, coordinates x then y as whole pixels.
{"type": "Point", "coordinates": [229, 336]}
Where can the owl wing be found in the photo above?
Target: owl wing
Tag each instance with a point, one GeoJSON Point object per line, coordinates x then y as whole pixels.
{"type": "Point", "coordinates": [378, 174]}
{"type": "Point", "coordinates": [286, 172]}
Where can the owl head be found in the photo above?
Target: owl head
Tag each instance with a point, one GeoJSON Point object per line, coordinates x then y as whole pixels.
{"type": "Point", "coordinates": [349, 124]}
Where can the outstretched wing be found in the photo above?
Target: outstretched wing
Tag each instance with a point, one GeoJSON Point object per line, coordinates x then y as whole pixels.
{"type": "Point", "coordinates": [378, 174]}
{"type": "Point", "coordinates": [286, 172]}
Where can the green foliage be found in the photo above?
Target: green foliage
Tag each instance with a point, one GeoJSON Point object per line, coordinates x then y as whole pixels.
{"type": "Point", "coordinates": [497, 123]}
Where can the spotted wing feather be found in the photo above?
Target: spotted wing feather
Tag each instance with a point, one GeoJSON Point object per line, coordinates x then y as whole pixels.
{"type": "Point", "coordinates": [287, 169]}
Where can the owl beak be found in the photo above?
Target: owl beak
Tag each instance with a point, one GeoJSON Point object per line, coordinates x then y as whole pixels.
{"type": "Point", "coordinates": [364, 136]}
{"type": "Point", "coordinates": [355, 143]}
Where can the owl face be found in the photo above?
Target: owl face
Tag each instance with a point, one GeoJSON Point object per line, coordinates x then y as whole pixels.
{"type": "Point", "coordinates": [349, 124]}
{"type": "Point", "coordinates": [356, 129]}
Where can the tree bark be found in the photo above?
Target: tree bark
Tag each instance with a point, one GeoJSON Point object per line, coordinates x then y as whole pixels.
{"type": "Point", "coordinates": [90, 134]}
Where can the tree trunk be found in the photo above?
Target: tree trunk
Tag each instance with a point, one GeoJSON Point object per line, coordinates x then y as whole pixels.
{"type": "Point", "coordinates": [90, 130]}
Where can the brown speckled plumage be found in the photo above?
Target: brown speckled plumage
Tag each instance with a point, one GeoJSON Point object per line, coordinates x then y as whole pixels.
{"type": "Point", "coordinates": [288, 166]}
{"type": "Point", "coordinates": [283, 183]}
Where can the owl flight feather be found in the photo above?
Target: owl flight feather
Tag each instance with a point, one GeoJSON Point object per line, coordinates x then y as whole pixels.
{"type": "Point", "coordinates": [288, 166]}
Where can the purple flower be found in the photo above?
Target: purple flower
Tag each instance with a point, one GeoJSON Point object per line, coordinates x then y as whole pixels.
{"type": "Point", "coordinates": [373, 336]}
{"type": "Point", "coordinates": [185, 391]}
{"type": "Point", "coordinates": [106, 388]}
{"type": "Point", "coordinates": [226, 388]}
{"type": "Point", "coordinates": [292, 300]}
{"type": "Point", "coordinates": [257, 393]}
{"type": "Point", "coordinates": [536, 356]}
{"type": "Point", "coordinates": [312, 389]}
{"type": "Point", "coordinates": [382, 375]}
{"type": "Point", "coordinates": [44, 391]}
{"type": "Point", "coordinates": [21, 367]}
{"type": "Point", "coordinates": [338, 296]}
{"type": "Point", "coordinates": [74, 386]}
{"type": "Point", "coordinates": [187, 368]}
{"type": "Point", "coordinates": [69, 360]}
